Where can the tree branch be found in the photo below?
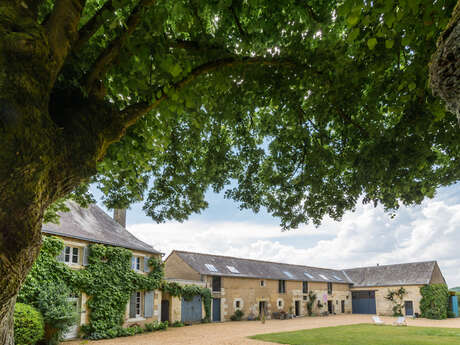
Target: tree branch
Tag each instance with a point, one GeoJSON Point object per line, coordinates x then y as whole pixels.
{"type": "Point", "coordinates": [62, 29]}
{"type": "Point", "coordinates": [349, 120]}
{"type": "Point", "coordinates": [132, 113]}
{"type": "Point", "coordinates": [111, 52]}
{"type": "Point", "coordinates": [238, 23]}
{"type": "Point", "coordinates": [91, 27]}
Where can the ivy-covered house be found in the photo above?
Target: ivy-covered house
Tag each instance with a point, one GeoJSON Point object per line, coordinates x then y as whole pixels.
{"type": "Point", "coordinates": [82, 227]}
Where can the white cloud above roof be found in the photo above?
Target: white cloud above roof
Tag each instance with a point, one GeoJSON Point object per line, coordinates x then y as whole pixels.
{"type": "Point", "coordinates": [363, 238]}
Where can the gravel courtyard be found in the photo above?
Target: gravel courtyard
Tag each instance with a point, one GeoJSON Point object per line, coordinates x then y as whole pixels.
{"type": "Point", "coordinates": [235, 333]}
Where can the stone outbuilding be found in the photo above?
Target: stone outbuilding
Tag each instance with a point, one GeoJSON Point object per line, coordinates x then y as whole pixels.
{"type": "Point", "coordinates": [257, 287]}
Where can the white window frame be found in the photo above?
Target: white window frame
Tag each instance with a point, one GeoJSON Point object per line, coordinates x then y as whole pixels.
{"type": "Point", "coordinates": [137, 263]}
{"type": "Point", "coordinates": [71, 255]}
{"type": "Point", "coordinates": [138, 304]}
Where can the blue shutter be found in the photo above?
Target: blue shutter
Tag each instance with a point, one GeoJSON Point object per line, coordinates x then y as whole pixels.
{"type": "Point", "coordinates": [148, 304]}
{"type": "Point", "coordinates": [146, 264]}
{"type": "Point", "coordinates": [85, 255]}
{"type": "Point", "coordinates": [133, 262]}
{"type": "Point", "coordinates": [132, 306]}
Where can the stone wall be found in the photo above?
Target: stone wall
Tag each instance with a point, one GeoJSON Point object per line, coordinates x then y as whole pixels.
{"type": "Point", "coordinates": [250, 292]}
{"type": "Point", "coordinates": [175, 267]}
{"type": "Point", "coordinates": [385, 307]}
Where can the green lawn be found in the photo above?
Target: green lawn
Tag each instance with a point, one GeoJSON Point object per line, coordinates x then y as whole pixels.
{"type": "Point", "coordinates": [366, 335]}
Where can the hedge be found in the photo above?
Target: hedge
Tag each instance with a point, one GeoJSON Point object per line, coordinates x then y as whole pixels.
{"type": "Point", "coordinates": [435, 301]}
{"type": "Point", "coordinates": [28, 325]}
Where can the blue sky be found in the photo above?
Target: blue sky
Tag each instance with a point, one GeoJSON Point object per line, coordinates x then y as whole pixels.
{"type": "Point", "coordinates": [430, 231]}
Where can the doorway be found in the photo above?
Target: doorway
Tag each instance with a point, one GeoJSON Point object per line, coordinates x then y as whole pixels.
{"type": "Point", "coordinates": [297, 308]}
{"type": "Point", "coordinates": [262, 308]}
{"type": "Point", "coordinates": [216, 309]}
{"type": "Point", "coordinates": [342, 306]}
{"type": "Point", "coordinates": [72, 332]}
{"type": "Point", "coordinates": [165, 310]}
{"type": "Point", "coordinates": [409, 308]}
{"type": "Point", "coordinates": [330, 307]}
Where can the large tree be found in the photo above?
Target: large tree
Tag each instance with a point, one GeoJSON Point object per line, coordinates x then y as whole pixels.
{"type": "Point", "coordinates": [298, 106]}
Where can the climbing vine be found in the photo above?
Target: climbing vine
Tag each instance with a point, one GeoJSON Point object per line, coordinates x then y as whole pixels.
{"type": "Point", "coordinates": [396, 297]}
{"type": "Point", "coordinates": [109, 281]}
{"type": "Point", "coordinates": [435, 301]}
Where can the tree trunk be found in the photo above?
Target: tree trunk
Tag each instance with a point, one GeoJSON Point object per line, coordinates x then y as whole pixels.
{"type": "Point", "coordinates": [33, 156]}
{"type": "Point", "coordinates": [445, 65]}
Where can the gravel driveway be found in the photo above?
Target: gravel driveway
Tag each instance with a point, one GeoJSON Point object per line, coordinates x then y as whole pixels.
{"type": "Point", "coordinates": [235, 333]}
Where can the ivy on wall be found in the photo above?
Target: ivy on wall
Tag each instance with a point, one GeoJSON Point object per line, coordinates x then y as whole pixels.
{"type": "Point", "coordinates": [435, 301]}
{"type": "Point", "coordinates": [108, 280]}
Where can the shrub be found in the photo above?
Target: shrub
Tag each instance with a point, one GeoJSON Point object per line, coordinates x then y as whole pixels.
{"type": "Point", "coordinates": [237, 316]}
{"type": "Point", "coordinates": [28, 325]}
{"type": "Point", "coordinates": [177, 324]}
{"type": "Point", "coordinates": [58, 312]}
{"type": "Point", "coordinates": [156, 326]}
{"type": "Point", "coordinates": [435, 301]}
{"type": "Point", "coordinates": [311, 302]}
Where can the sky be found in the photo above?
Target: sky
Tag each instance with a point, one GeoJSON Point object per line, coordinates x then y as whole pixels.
{"type": "Point", "coordinates": [366, 237]}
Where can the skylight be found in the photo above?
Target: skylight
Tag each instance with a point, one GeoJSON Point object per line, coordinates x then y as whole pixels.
{"type": "Point", "coordinates": [338, 278]}
{"type": "Point", "coordinates": [233, 269]}
{"type": "Point", "coordinates": [289, 274]}
{"type": "Point", "coordinates": [211, 268]}
{"type": "Point", "coordinates": [324, 277]}
{"type": "Point", "coordinates": [308, 275]}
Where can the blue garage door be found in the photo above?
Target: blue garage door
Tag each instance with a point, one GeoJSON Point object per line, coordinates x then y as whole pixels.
{"type": "Point", "coordinates": [191, 310]}
{"type": "Point", "coordinates": [363, 302]}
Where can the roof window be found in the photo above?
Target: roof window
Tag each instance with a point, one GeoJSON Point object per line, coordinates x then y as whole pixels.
{"type": "Point", "coordinates": [233, 269]}
{"type": "Point", "coordinates": [337, 277]}
{"type": "Point", "coordinates": [324, 277]}
{"type": "Point", "coordinates": [289, 274]}
{"type": "Point", "coordinates": [308, 275]}
{"type": "Point", "coordinates": [211, 268]}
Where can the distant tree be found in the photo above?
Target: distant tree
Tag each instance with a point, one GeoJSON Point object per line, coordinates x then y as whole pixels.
{"type": "Point", "coordinates": [300, 107]}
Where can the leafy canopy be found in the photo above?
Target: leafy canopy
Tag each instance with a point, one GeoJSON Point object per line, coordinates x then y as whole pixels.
{"type": "Point", "coordinates": [301, 107]}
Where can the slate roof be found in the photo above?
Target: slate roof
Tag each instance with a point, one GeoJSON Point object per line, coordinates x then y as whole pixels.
{"type": "Point", "coordinates": [94, 225]}
{"type": "Point", "coordinates": [416, 273]}
{"type": "Point", "coordinates": [249, 268]}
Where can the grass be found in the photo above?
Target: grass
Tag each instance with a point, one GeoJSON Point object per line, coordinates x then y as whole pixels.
{"type": "Point", "coordinates": [365, 334]}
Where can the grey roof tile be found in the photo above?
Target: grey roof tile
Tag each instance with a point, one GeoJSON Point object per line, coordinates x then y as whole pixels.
{"type": "Point", "coordinates": [259, 269]}
{"type": "Point", "coordinates": [416, 273]}
{"type": "Point", "coordinates": [94, 225]}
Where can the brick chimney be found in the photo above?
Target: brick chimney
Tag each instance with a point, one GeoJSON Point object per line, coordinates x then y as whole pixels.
{"type": "Point", "coordinates": [119, 215]}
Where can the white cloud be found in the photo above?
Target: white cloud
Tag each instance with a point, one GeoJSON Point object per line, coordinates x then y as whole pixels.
{"type": "Point", "coordinates": [366, 237]}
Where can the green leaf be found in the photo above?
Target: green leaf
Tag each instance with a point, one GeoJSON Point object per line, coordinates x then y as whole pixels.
{"type": "Point", "coordinates": [389, 44]}
{"type": "Point", "coordinates": [175, 70]}
{"type": "Point", "coordinates": [371, 43]}
{"type": "Point", "coordinates": [354, 34]}
{"type": "Point", "coordinates": [352, 20]}
{"type": "Point", "coordinates": [412, 86]}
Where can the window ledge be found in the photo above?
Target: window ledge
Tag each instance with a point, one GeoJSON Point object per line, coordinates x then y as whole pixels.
{"type": "Point", "coordinates": [135, 319]}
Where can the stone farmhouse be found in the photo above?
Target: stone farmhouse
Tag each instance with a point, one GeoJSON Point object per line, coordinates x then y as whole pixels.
{"type": "Point", "coordinates": [257, 287]}
{"type": "Point", "coordinates": [83, 226]}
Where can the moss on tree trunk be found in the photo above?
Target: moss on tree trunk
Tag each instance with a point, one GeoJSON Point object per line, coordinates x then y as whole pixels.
{"type": "Point", "coordinates": [445, 65]}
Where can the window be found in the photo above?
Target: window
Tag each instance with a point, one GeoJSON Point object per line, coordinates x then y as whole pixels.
{"type": "Point", "coordinates": [280, 303]}
{"type": "Point", "coordinates": [308, 275]}
{"type": "Point", "coordinates": [138, 304]}
{"type": "Point", "coordinates": [71, 255]}
{"type": "Point", "coordinates": [324, 277]}
{"type": "Point", "coordinates": [238, 304]}
{"type": "Point", "coordinates": [233, 269]}
{"type": "Point", "coordinates": [289, 274]}
{"type": "Point", "coordinates": [211, 268]}
{"type": "Point", "coordinates": [337, 277]}
{"type": "Point", "coordinates": [136, 263]}
{"type": "Point", "coordinates": [305, 287]}
{"type": "Point", "coordinates": [262, 283]}
{"type": "Point", "coordinates": [329, 288]}
{"type": "Point", "coordinates": [216, 282]}
{"type": "Point", "coordinates": [282, 286]}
